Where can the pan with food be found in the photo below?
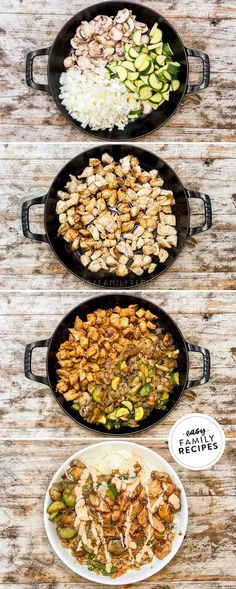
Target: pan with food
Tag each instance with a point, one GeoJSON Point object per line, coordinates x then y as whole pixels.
{"type": "Point", "coordinates": [117, 216]}
{"type": "Point", "coordinates": [117, 364]}
{"type": "Point", "coordinates": [118, 70]}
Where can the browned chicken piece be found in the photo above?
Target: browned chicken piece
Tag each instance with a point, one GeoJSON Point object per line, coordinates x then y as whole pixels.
{"type": "Point", "coordinates": [67, 519]}
{"type": "Point", "coordinates": [136, 509]}
{"type": "Point", "coordinates": [94, 499]}
{"type": "Point", "coordinates": [157, 524]}
{"type": "Point", "coordinates": [165, 513]}
{"type": "Point", "coordinates": [163, 476]}
{"type": "Point", "coordinates": [154, 488]}
{"type": "Point", "coordinates": [174, 500]}
{"type": "Point", "coordinates": [162, 550]}
{"type": "Point", "coordinates": [143, 517]}
{"type": "Point", "coordinates": [76, 470]}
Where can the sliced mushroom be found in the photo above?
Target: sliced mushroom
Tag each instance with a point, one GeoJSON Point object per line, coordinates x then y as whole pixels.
{"type": "Point", "coordinates": [115, 34]}
{"type": "Point", "coordinates": [122, 15]}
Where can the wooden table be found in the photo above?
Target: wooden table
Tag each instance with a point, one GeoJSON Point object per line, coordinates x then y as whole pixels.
{"type": "Point", "coordinates": [204, 561]}
{"type": "Point", "coordinates": [30, 411]}
{"type": "Point", "coordinates": [207, 260]}
{"type": "Point", "coordinates": [29, 115]}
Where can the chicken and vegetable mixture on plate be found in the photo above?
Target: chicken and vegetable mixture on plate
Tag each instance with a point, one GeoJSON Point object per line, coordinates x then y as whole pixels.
{"type": "Point", "coordinates": [117, 366]}
{"type": "Point", "coordinates": [118, 70]}
{"type": "Point", "coordinates": [117, 521]}
{"type": "Point", "coordinates": [117, 216]}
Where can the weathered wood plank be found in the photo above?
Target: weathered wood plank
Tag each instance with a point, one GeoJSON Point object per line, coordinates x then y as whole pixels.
{"type": "Point", "coordinates": [31, 115]}
{"type": "Point", "coordinates": [204, 558]}
{"type": "Point", "coordinates": [29, 410]}
{"type": "Point", "coordinates": [207, 259]}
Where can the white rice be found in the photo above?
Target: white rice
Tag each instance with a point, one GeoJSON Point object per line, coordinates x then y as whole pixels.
{"type": "Point", "coordinates": [94, 99]}
{"type": "Point", "coordinates": [107, 458]}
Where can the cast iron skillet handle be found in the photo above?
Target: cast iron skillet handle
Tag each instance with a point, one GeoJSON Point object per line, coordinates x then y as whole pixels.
{"type": "Point", "coordinates": [25, 218]}
{"type": "Point", "coordinates": [206, 70]}
{"type": "Point", "coordinates": [28, 360]}
{"type": "Point", "coordinates": [208, 212]}
{"type": "Point", "coordinates": [206, 365]}
{"type": "Point", "coordinates": [29, 69]}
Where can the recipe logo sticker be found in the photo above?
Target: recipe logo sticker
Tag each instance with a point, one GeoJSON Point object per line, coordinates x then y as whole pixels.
{"type": "Point", "coordinates": [196, 441]}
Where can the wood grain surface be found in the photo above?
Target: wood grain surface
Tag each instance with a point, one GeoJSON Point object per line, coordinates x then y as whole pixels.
{"type": "Point", "coordinates": [207, 261]}
{"type": "Point", "coordinates": [28, 562]}
{"type": "Point", "coordinates": [29, 410]}
{"type": "Point", "coordinates": [29, 115]}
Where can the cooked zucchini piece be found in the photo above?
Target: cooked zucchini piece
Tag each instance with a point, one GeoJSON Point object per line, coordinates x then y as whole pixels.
{"type": "Point", "coordinates": [69, 499]}
{"type": "Point", "coordinates": [53, 515]}
{"type": "Point", "coordinates": [121, 72]}
{"type": "Point", "coordinates": [137, 37]}
{"type": "Point", "coordinates": [121, 412]}
{"type": "Point", "coordinates": [66, 533]}
{"type": "Point", "coordinates": [129, 65]}
{"type": "Point", "coordinates": [55, 506]}
{"type": "Point", "coordinates": [174, 377]}
{"type": "Point", "coordinates": [147, 388]}
{"type": "Point", "coordinates": [145, 93]}
{"type": "Point", "coordinates": [151, 68]}
{"type": "Point", "coordinates": [115, 383]}
{"type": "Point", "coordinates": [156, 98]}
{"type": "Point", "coordinates": [156, 105]}
{"type": "Point", "coordinates": [143, 49]}
{"type": "Point", "coordinates": [139, 413]}
{"type": "Point", "coordinates": [140, 82]}
{"type": "Point", "coordinates": [142, 63]}
{"type": "Point", "coordinates": [76, 406]}
{"type": "Point", "coordinates": [97, 395]}
{"type": "Point", "coordinates": [159, 49]}
{"type": "Point", "coordinates": [102, 420]}
{"type": "Point", "coordinates": [128, 404]}
{"type": "Point", "coordinates": [162, 368]}
{"type": "Point", "coordinates": [144, 79]}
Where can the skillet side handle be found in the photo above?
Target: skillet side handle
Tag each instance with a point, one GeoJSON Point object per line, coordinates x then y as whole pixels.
{"type": "Point", "coordinates": [208, 211]}
{"type": "Point", "coordinates": [25, 218]}
{"type": "Point", "coordinates": [29, 69]}
{"type": "Point", "coordinates": [28, 361]}
{"type": "Point", "coordinates": [206, 366]}
{"type": "Point", "coordinates": [206, 70]}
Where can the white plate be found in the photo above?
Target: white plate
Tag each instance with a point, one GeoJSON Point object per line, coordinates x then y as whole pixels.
{"type": "Point", "coordinates": [156, 462]}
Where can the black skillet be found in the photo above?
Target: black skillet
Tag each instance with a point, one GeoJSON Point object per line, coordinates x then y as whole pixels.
{"type": "Point", "coordinates": [71, 260]}
{"type": "Point", "coordinates": [61, 48]}
{"type": "Point", "coordinates": [105, 302]}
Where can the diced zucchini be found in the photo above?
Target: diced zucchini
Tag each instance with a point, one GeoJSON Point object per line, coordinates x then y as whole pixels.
{"type": "Point", "coordinates": [151, 68]}
{"type": "Point", "coordinates": [157, 36]}
{"type": "Point", "coordinates": [156, 105]}
{"type": "Point", "coordinates": [128, 404]}
{"type": "Point", "coordinates": [167, 49]}
{"type": "Point", "coordinates": [55, 506]}
{"type": "Point", "coordinates": [160, 60]}
{"type": "Point", "coordinates": [122, 412]}
{"type": "Point", "coordinates": [159, 49]}
{"type": "Point", "coordinates": [167, 75]}
{"type": "Point", "coordinates": [139, 413]}
{"type": "Point", "coordinates": [166, 95]}
{"type": "Point", "coordinates": [173, 67]}
{"type": "Point", "coordinates": [53, 515]}
{"type": "Point", "coordinates": [128, 65]}
{"type": "Point", "coordinates": [102, 420]}
{"type": "Point", "coordinates": [115, 383]}
{"type": "Point", "coordinates": [143, 49]}
{"type": "Point", "coordinates": [162, 368]}
{"type": "Point", "coordinates": [174, 377]}
{"type": "Point", "coordinates": [153, 29]}
{"type": "Point", "coordinates": [69, 499]}
{"type": "Point", "coordinates": [154, 82]}
{"type": "Point", "coordinates": [127, 57]}
{"type": "Point", "coordinates": [97, 395]}
{"type": "Point", "coordinates": [156, 98]}
{"type": "Point", "coordinates": [137, 37]}
{"type": "Point", "coordinates": [123, 366]}
{"type": "Point", "coordinates": [133, 76]}
{"type": "Point", "coordinates": [66, 533]}
{"type": "Point", "coordinates": [154, 46]}
{"type": "Point", "coordinates": [142, 63]}
{"type": "Point", "coordinates": [175, 84]}
{"type": "Point", "coordinates": [147, 388]}
{"type": "Point", "coordinates": [130, 85]}
{"type": "Point", "coordinates": [112, 415]}
{"type": "Point", "coordinates": [75, 406]}
{"type": "Point", "coordinates": [145, 93]}
{"type": "Point", "coordinates": [121, 72]}
{"type": "Point", "coordinates": [140, 82]}
{"type": "Point", "coordinates": [133, 53]}
{"type": "Point", "coordinates": [144, 79]}
{"type": "Point", "coordinates": [165, 87]}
